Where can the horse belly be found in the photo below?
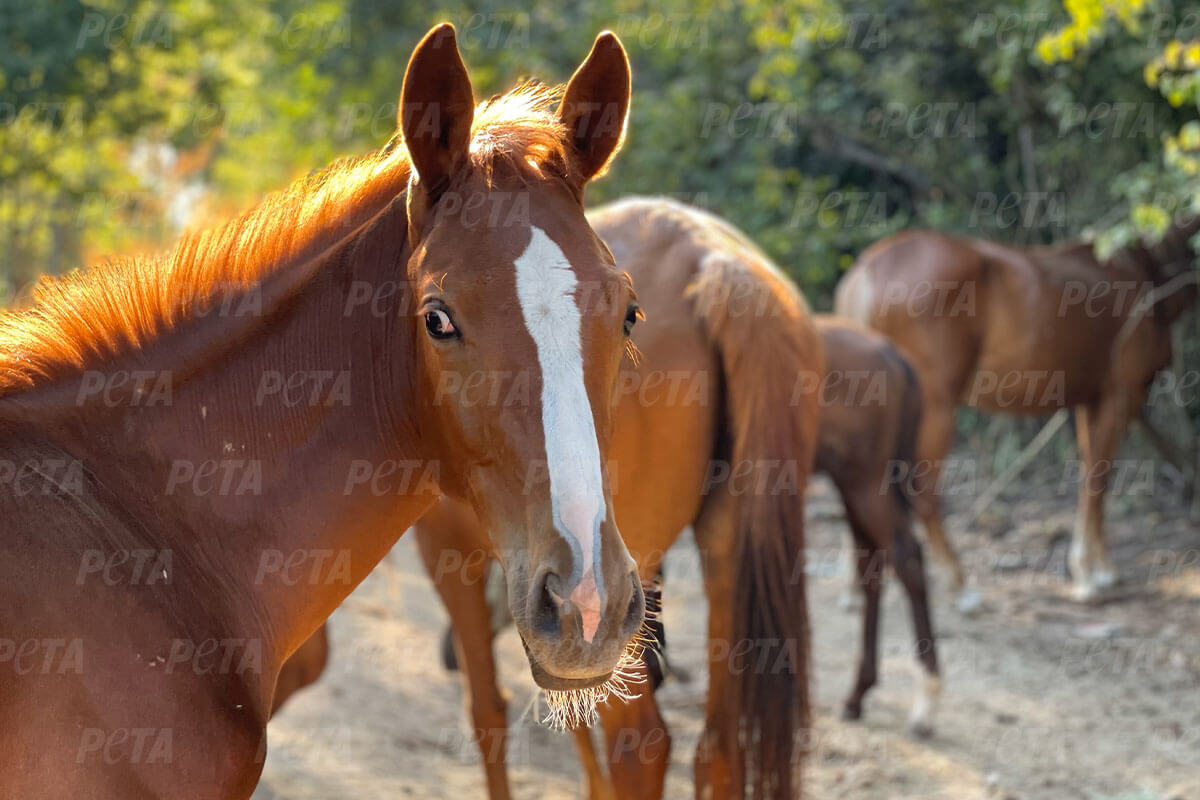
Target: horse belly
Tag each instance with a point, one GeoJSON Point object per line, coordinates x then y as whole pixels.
{"type": "Point", "coordinates": [1031, 385]}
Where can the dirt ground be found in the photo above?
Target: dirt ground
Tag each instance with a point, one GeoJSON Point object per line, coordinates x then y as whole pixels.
{"type": "Point", "coordinates": [1043, 698]}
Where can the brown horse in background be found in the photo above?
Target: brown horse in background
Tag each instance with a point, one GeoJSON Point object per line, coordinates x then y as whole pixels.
{"type": "Point", "coordinates": [870, 415]}
{"type": "Point", "coordinates": [715, 428]}
{"type": "Point", "coordinates": [1026, 331]}
{"type": "Point", "coordinates": [176, 526]}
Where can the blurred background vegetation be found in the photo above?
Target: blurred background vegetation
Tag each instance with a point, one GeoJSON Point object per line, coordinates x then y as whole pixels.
{"type": "Point", "coordinates": [817, 126]}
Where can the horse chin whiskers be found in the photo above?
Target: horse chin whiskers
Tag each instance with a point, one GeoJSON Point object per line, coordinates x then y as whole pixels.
{"type": "Point", "coordinates": [568, 709]}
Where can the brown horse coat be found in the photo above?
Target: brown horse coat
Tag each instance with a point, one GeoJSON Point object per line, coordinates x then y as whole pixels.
{"type": "Point", "coordinates": [173, 527]}
{"type": "Point", "coordinates": [1025, 331]}
{"type": "Point", "coordinates": [715, 428]}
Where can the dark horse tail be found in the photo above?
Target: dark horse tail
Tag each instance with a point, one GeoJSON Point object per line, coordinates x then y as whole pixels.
{"type": "Point", "coordinates": [771, 361]}
{"type": "Point", "coordinates": [905, 458]}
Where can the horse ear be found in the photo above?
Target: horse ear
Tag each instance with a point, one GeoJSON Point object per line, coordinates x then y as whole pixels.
{"type": "Point", "coordinates": [595, 106]}
{"type": "Point", "coordinates": [436, 109]}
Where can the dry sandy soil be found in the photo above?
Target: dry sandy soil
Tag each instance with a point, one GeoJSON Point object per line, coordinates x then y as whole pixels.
{"type": "Point", "coordinates": [1043, 698]}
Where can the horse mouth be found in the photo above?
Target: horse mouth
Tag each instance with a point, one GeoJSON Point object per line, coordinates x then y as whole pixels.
{"type": "Point", "coordinates": [573, 702]}
{"type": "Point", "coordinates": [555, 683]}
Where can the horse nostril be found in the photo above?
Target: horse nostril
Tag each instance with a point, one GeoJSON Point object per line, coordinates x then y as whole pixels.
{"type": "Point", "coordinates": [637, 607]}
{"type": "Point", "coordinates": [548, 607]}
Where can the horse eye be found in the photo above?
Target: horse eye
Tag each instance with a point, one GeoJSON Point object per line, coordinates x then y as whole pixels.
{"type": "Point", "coordinates": [439, 324]}
{"type": "Point", "coordinates": [632, 314]}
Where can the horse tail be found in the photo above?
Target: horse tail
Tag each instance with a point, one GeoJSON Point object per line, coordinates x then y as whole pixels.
{"type": "Point", "coordinates": [771, 357]}
{"type": "Point", "coordinates": [904, 459]}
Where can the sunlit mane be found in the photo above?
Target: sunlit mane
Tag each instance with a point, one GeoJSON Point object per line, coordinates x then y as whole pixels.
{"type": "Point", "coordinates": [90, 316]}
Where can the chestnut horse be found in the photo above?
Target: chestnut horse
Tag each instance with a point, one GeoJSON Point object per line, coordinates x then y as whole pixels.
{"type": "Point", "coordinates": [870, 412]}
{"type": "Point", "coordinates": [735, 301]}
{"type": "Point", "coordinates": [715, 428]}
{"type": "Point", "coordinates": [1026, 331]}
{"type": "Point", "coordinates": [142, 421]}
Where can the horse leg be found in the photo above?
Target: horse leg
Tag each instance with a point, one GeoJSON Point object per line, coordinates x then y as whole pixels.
{"type": "Point", "coordinates": [599, 787]}
{"type": "Point", "coordinates": [909, 564]}
{"type": "Point", "coordinates": [1099, 429]}
{"type": "Point", "coordinates": [870, 543]}
{"type": "Point", "coordinates": [639, 746]}
{"type": "Point", "coordinates": [718, 765]}
{"type": "Point", "coordinates": [850, 598]}
{"type": "Point", "coordinates": [463, 590]}
{"type": "Point", "coordinates": [937, 434]}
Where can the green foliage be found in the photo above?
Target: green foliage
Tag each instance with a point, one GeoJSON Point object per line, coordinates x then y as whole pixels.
{"type": "Point", "coordinates": [818, 126]}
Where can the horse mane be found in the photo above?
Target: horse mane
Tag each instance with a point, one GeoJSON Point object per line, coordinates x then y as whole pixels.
{"type": "Point", "coordinates": [90, 316]}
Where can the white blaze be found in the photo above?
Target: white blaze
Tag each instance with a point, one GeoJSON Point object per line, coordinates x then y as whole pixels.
{"type": "Point", "coordinates": [546, 290]}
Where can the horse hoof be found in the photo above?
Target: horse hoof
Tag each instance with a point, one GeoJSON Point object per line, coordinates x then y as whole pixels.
{"type": "Point", "coordinates": [852, 711]}
{"type": "Point", "coordinates": [850, 601]}
{"type": "Point", "coordinates": [920, 729]}
{"type": "Point", "coordinates": [1085, 591]}
{"type": "Point", "coordinates": [969, 602]}
{"type": "Point", "coordinates": [1104, 578]}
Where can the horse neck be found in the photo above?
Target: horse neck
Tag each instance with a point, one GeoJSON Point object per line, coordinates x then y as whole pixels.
{"type": "Point", "coordinates": [260, 469]}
